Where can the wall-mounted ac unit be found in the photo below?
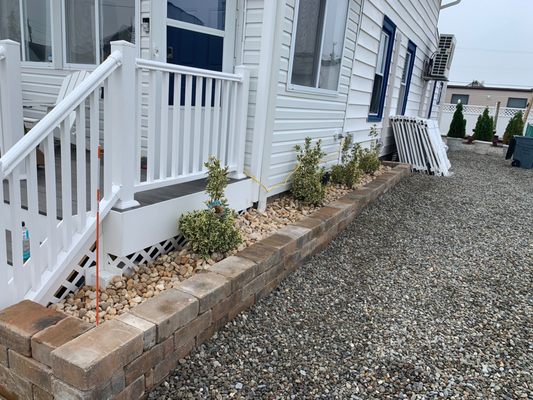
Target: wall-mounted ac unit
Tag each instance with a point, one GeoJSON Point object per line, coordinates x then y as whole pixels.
{"type": "Point", "coordinates": [438, 66]}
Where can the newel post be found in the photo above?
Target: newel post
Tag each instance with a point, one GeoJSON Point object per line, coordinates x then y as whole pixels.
{"type": "Point", "coordinates": [11, 120]}
{"type": "Point", "coordinates": [122, 99]}
{"type": "Point", "coordinates": [242, 119]}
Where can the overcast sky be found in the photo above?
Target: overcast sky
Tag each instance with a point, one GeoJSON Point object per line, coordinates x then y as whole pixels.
{"type": "Point", "coordinates": [494, 41]}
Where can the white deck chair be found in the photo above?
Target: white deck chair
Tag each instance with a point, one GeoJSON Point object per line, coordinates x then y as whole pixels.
{"type": "Point", "coordinates": [70, 82]}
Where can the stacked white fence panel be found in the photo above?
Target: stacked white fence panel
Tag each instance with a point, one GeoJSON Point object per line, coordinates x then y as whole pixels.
{"type": "Point", "coordinates": [419, 143]}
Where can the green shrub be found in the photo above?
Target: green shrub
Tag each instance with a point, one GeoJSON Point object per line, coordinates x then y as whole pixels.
{"type": "Point", "coordinates": [484, 127]}
{"type": "Point", "coordinates": [212, 230]}
{"type": "Point", "coordinates": [515, 127]}
{"type": "Point", "coordinates": [348, 172]}
{"type": "Point", "coordinates": [368, 158]}
{"type": "Point", "coordinates": [307, 179]}
{"type": "Point", "coordinates": [458, 124]}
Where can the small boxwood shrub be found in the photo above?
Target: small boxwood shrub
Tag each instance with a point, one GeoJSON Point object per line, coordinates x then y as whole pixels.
{"type": "Point", "coordinates": [212, 230]}
{"type": "Point", "coordinates": [307, 184]}
{"type": "Point", "coordinates": [515, 127]}
{"type": "Point", "coordinates": [484, 127]}
{"type": "Point", "coordinates": [368, 158]}
{"type": "Point", "coordinates": [347, 172]}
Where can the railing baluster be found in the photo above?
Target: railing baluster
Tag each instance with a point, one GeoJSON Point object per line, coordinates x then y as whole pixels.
{"type": "Point", "coordinates": [81, 174]}
{"type": "Point", "coordinates": [108, 145]}
{"type": "Point", "coordinates": [196, 166]}
{"type": "Point", "coordinates": [232, 124]}
{"type": "Point", "coordinates": [163, 149]}
{"type": "Point", "coordinates": [94, 139]}
{"type": "Point", "coordinates": [66, 184]}
{"type": "Point", "coordinates": [51, 205]}
{"type": "Point", "coordinates": [187, 125]}
{"type": "Point", "coordinates": [176, 126]}
{"type": "Point", "coordinates": [151, 132]}
{"type": "Point", "coordinates": [138, 125]}
{"type": "Point", "coordinates": [207, 120]}
{"type": "Point", "coordinates": [224, 127]}
{"type": "Point", "coordinates": [5, 269]}
{"type": "Point", "coordinates": [16, 231]}
{"type": "Point", "coordinates": [32, 223]}
{"type": "Point", "coordinates": [216, 119]}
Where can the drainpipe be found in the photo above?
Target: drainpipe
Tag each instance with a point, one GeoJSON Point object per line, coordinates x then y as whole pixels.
{"type": "Point", "coordinates": [453, 3]}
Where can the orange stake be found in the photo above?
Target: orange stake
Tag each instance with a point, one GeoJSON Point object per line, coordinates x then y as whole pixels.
{"type": "Point", "coordinates": [97, 285]}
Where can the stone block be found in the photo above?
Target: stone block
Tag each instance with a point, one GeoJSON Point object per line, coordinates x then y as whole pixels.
{"type": "Point", "coordinates": [49, 339]}
{"type": "Point", "coordinates": [31, 370]}
{"type": "Point", "coordinates": [264, 256]}
{"type": "Point", "coordinates": [21, 321]}
{"type": "Point", "coordinates": [3, 356]}
{"type": "Point", "coordinates": [135, 390]}
{"type": "Point", "coordinates": [328, 215]}
{"type": "Point", "coordinates": [95, 356]}
{"type": "Point", "coordinates": [146, 327]}
{"type": "Point", "coordinates": [163, 368]}
{"type": "Point", "coordinates": [298, 233]}
{"type": "Point", "coordinates": [209, 288]}
{"type": "Point", "coordinates": [40, 394]}
{"type": "Point", "coordinates": [193, 329]}
{"type": "Point", "coordinates": [222, 308]}
{"type": "Point", "coordinates": [147, 360]}
{"type": "Point", "coordinates": [244, 304]}
{"type": "Point", "coordinates": [149, 382]}
{"type": "Point", "coordinates": [285, 244]}
{"type": "Point", "coordinates": [237, 270]}
{"type": "Point", "coordinates": [316, 226]}
{"type": "Point", "coordinates": [107, 390]}
{"type": "Point", "coordinates": [254, 286]}
{"type": "Point", "coordinates": [169, 311]}
{"type": "Point", "coordinates": [13, 386]}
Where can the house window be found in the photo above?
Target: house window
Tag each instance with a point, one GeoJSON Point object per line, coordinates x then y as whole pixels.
{"type": "Point", "coordinates": [381, 77]}
{"type": "Point", "coordinates": [35, 18]}
{"type": "Point", "coordinates": [516, 102]}
{"type": "Point", "coordinates": [91, 26]}
{"type": "Point", "coordinates": [405, 83]}
{"type": "Point", "coordinates": [318, 44]}
{"type": "Point", "coordinates": [463, 98]}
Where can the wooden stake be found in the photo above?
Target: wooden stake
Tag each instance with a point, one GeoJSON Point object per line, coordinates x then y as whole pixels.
{"type": "Point", "coordinates": [97, 284]}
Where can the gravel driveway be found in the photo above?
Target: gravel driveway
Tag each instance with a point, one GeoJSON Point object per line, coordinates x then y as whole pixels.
{"type": "Point", "coordinates": [428, 294]}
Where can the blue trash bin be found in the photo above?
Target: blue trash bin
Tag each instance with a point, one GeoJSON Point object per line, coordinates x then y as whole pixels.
{"type": "Point", "coordinates": [523, 152]}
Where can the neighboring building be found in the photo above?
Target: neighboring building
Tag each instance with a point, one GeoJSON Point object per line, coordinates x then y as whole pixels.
{"type": "Point", "coordinates": [318, 68]}
{"type": "Point", "coordinates": [488, 96]}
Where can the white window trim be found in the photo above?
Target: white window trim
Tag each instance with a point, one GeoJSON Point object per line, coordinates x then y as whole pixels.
{"type": "Point", "coordinates": [307, 89]}
{"type": "Point", "coordinates": [382, 74]}
{"type": "Point", "coordinates": [36, 64]}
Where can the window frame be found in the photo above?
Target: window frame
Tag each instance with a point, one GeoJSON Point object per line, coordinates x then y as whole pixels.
{"type": "Point", "coordinates": [460, 94]}
{"type": "Point", "coordinates": [295, 88]}
{"type": "Point", "coordinates": [36, 64]}
{"type": "Point", "coordinates": [77, 66]}
{"type": "Point", "coordinates": [411, 50]}
{"type": "Point", "coordinates": [389, 28]}
{"type": "Point", "coordinates": [517, 98]}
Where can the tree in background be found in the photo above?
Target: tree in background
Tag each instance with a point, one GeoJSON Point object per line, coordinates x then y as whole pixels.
{"type": "Point", "coordinates": [458, 125]}
{"type": "Point", "coordinates": [484, 129]}
{"type": "Point", "coordinates": [515, 127]}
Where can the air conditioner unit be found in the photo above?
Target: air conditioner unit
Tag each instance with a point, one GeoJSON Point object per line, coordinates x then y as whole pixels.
{"type": "Point", "coordinates": [438, 66]}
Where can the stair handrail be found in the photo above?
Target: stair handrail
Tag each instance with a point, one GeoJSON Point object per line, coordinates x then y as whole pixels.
{"type": "Point", "coordinates": [20, 150]}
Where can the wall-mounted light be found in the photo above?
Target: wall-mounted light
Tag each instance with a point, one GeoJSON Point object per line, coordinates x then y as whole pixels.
{"type": "Point", "coordinates": [146, 25]}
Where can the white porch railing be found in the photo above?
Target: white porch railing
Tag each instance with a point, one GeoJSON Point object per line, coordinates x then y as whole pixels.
{"type": "Point", "coordinates": [471, 112]}
{"type": "Point", "coordinates": [206, 116]}
{"type": "Point", "coordinates": [187, 115]}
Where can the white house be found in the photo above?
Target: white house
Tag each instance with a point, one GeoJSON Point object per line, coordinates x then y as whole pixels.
{"type": "Point", "coordinates": [245, 80]}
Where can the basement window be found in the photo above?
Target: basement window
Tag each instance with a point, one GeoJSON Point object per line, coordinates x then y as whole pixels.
{"type": "Point", "coordinates": [318, 43]}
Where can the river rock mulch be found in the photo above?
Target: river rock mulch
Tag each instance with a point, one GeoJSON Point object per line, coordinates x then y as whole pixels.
{"type": "Point", "coordinates": [428, 294]}
{"type": "Point", "coordinates": [168, 270]}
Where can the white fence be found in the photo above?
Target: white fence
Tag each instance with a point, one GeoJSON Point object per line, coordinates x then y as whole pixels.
{"type": "Point", "coordinates": [58, 203]}
{"type": "Point", "coordinates": [471, 114]}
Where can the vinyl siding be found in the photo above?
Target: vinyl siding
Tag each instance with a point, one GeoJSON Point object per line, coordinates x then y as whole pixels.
{"type": "Point", "coordinates": [299, 114]}
{"type": "Point", "coordinates": [415, 20]}
{"type": "Point", "coordinates": [251, 47]}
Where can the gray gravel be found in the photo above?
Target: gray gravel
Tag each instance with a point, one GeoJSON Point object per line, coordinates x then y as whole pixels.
{"type": "Point", "coordinates": [428, 294]}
